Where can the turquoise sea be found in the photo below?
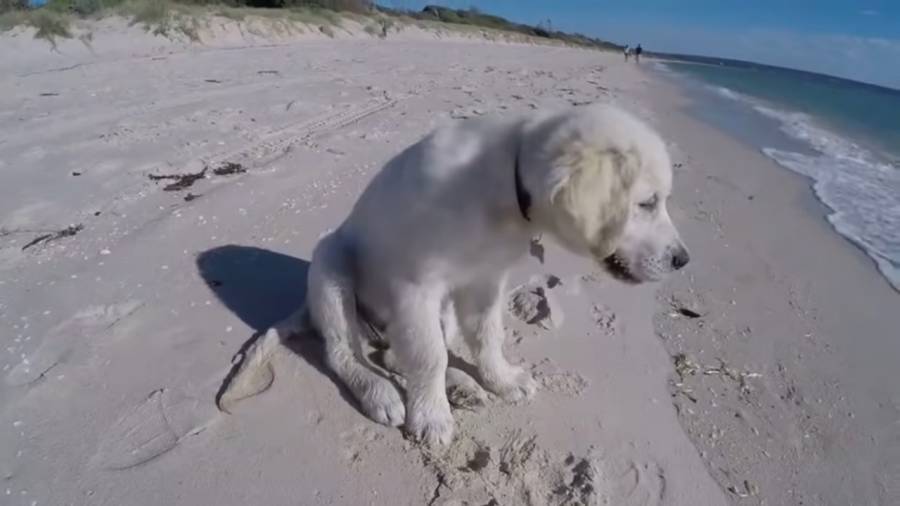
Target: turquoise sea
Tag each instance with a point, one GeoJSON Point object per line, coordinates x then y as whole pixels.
{"type": "Point", "coordinates": [843, 135]}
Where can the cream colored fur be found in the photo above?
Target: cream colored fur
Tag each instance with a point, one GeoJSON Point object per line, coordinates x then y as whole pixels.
{"type": "Point", "coordinates": [427, 247]}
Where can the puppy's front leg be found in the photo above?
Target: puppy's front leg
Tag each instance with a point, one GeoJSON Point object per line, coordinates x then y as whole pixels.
{"type": "Point", "coordinates": [480, 308]}
{"type": "Point", "coordinates": [417, 339]}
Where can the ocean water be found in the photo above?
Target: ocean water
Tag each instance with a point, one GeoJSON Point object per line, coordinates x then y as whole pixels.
{"type": "Point", "coordinates": [844, 136]}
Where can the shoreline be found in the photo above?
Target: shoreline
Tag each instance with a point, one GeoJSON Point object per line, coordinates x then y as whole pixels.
{"type": "Point", "coordinates": [800, 354]}
{"type": "Point", "coordinates": [749, 110]}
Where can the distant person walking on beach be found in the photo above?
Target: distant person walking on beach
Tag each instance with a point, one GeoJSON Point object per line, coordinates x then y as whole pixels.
{"type": "Point", "coordinates": [627, 52]}
{"type": "Point", "coordinates": [637, 53]}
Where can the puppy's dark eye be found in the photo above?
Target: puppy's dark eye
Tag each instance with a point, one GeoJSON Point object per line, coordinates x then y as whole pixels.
{"type": "Point", "coordinates": [650, 204]}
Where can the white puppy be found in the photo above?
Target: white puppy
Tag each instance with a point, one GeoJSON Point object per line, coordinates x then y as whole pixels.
{"type": "Point", "coordinates": [432, 237]}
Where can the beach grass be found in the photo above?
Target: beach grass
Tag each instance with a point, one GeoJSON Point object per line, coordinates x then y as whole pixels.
{"type": "Point", "coordinates": [48, 24]}
{"type": "Point", "coordinates": [188, 17]}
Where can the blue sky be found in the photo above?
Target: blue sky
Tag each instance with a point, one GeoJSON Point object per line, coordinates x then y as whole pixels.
{"type": "Point", "coordinates": [854, 39]}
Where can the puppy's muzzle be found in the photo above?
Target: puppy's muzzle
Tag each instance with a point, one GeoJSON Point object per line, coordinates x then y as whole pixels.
{"type": "Point", "coordinates": [680, 258]}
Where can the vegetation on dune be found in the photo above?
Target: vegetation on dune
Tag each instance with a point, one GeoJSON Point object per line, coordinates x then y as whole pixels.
{"type": "Point", "coordinates": [50, 25]}
{"type": "Point", "coordinates": [47, 23]}
{"type": "Point", "coordinates": [165, 17]}
{"type": "Point", "coordinates": [474, 17]}
{"type": "Point", "coordinates": [184, 16]}
{"type": "Point", "coordinates": [12, 5]}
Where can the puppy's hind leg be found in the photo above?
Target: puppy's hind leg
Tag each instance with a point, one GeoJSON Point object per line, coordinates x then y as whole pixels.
{"type": "Point", "coordinates": [480, 309]}
{"type": "Point", "coordinates": [463, 391]}
{"type": "Point", "coordinates": [331, 300]}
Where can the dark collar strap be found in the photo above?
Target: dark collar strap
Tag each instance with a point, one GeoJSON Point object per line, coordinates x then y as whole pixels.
{"type": "Point", "coordinates": [522, 195]}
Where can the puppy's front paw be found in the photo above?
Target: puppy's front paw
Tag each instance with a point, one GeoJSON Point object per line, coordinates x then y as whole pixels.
{"type": "Point", "coordinates": [512, 384]}
{"type": "Point", "coordinates": [382, 402]}
{"type": "Point", "coordinates": [433, 427]}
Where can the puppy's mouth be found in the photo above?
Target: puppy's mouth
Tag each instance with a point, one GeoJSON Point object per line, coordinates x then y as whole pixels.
{"type": "Point", "coordinates": [617, 267]}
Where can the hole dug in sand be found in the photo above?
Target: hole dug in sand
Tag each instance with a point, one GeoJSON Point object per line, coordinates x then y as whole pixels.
{"type": "Point", "coordinates": [518, 471]}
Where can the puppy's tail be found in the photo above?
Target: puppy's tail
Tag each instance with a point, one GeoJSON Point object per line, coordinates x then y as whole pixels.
{"type": "Point", "coordinates": [252, 372]}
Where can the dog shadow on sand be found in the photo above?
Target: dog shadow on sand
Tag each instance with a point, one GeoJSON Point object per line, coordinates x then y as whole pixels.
{"type": "Point", "coordinates": [262, 288]}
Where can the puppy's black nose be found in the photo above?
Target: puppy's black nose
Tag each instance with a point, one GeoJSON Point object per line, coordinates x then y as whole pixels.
{"type": "Point", "coordinates": [680, 258]}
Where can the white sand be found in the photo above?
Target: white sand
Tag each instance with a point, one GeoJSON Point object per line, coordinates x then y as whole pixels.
{"type": "Point", "coordinates": [118, 338]}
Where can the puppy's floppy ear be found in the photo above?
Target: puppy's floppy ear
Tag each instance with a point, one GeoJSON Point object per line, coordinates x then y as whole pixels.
{"type": "Point", "coordinates": [595, 193]}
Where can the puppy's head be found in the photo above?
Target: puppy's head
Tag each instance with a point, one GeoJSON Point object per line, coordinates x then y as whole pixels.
{"type": "Point", "coordinates": [603, 180]}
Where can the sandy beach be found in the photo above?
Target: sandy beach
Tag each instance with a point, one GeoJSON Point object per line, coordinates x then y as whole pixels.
{"type": "Point", "coordinates": [159, 203]}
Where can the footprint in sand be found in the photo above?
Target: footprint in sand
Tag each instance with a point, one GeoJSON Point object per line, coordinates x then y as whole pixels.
{"type": "Point", "coordinates": [152, 428]}
{"type": "Point", "coordinates": [631, 483]}
{"type": "Point", "coordinates": [358, 442]}
{"type": "Point", "coordinates": [533, 303]}
{"type": "Point", "coordinates": [63, 338]}
{"type": "Point", "coordinates": [610, 480]}
{"type": "Point", "coordinates": [553, 379]}
{"type": "Point", "coordinates": [605, 319]}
